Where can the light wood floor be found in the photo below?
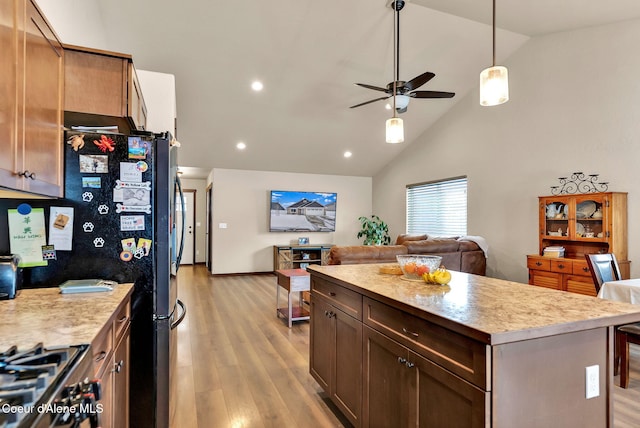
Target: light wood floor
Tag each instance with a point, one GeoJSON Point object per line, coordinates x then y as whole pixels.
{"type": "Point", "coordinates": [240, 366]}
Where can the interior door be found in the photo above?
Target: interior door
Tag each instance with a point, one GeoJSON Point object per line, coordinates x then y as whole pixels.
{"type": "Point", "coordinates": [188, 202]}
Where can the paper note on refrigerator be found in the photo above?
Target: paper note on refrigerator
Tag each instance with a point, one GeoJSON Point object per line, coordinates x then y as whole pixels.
{"type": "Point", "coordinates": [61, 228]}
{"type": "Point", "coordinates": [27, 235]}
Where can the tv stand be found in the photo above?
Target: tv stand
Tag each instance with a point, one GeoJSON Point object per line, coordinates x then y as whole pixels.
{"type": "Point", "coordinates": [300, 256]}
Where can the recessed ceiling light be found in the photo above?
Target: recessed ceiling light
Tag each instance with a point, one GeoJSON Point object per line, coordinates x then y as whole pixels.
{"type": "Point", "coordinates": [241, 146]}
{"type": "Point", "coordinates": [257, 85]}
{"type": "Point", "coordinates": [347, 154]}
{"type": "Point", "coordinates": [387, 106]}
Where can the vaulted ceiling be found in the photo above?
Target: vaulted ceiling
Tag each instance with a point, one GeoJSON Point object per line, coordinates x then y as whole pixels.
{"type": "Point", "coordinates": [309, 54]}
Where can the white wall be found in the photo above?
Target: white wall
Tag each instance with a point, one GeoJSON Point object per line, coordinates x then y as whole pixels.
{"type": "Point", "coordinates": [76, 22]}
{"type": "Point", "coordinates": [241, 200]}
{"type": "Point", "coordinates": [159, 91]}
{"type": "Point", "coordinates": [575, 106]}
{"type": "Point", "coordinates": [200, 186]}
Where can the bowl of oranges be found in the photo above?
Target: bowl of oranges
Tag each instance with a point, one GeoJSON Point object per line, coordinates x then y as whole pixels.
{"type": "Point", "coordinates": [414, 266]}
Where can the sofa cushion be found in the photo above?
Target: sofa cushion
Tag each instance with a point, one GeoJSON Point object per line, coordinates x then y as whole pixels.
{"type": "Point", "coordinates": [353, 254]}
{"type": "Point", "coordinates": [431, 246]}
{"type": "Point", "coordinates": [406, 237]}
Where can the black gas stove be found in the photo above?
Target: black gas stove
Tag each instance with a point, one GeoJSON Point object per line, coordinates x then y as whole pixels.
{"type": "Point", "coordinates": [46, 387]}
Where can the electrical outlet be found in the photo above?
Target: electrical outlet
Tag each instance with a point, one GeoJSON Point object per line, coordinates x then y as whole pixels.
{"type": "Point", "coordinates": [593, 381]}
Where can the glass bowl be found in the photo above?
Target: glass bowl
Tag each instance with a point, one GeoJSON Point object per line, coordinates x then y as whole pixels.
{"type": "Point", "coordinates": [414, 265]}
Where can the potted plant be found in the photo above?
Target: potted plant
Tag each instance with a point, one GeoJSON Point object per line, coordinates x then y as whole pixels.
{"type": "Point", "coordinates": [374, 230]}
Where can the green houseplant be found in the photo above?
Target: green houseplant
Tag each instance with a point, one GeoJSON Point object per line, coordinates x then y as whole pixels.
{"type": "Point", "coordinates": [374, 230]}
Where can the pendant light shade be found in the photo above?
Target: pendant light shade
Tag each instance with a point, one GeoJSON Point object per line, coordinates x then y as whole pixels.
{"type": "Point", "coordinates": [494, 86]}
{"type": "Point", "coordinates": [494, 81]}
{"type": "Point", "coordinates": [395, 130]}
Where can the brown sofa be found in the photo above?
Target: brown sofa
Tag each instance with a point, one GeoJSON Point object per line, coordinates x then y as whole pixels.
{"type": "Point", "coordinates": [458, 255]}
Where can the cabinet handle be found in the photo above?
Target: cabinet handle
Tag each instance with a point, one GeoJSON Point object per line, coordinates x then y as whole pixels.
{"type": "Point", "coordinates": [101, 356]}
{"type": "Point", "coordinates": [332, 294]}
{"type": "Point", "coordinates": [409, 364]}
{"type": "Point", "coordinates": [27, 174]}
{"type": "Point", "coordinates": [585, 269]}
{"type": "Point", "coordinates": [411, 333]}
{"type": "Point", "coordinates": [402, 360]}
{"type": "Point", "coordinates": [117, 367]}
{"type": "Point", "coordinates": [326, 313]}
{"type": "Point", "coordinates": [123, 319]}
{"type": "Point", "coordinates": [538, 264]}
{"type": "Point", "coordinates": [560, 266]}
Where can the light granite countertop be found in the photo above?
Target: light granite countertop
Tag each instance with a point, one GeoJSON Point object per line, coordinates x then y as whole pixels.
{"type": "Point", "coordinates": [44, 315]}
{"type": "Point", "coordinates": [491, 310]}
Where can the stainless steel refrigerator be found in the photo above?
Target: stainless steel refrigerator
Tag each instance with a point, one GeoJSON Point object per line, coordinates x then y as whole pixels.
{"type": "Point", "coordinates": [123, 190]}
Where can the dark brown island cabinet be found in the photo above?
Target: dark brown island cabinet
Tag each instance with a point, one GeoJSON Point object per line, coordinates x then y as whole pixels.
{"type": "Point", "coordinates": [478, 352]}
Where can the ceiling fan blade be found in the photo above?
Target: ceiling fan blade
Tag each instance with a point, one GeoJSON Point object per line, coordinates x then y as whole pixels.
{"type": "Point", "coordinates": [431, 94]}
{"type": "Point", "coordinates": [418, 81]}
{"type": "Point", "coordinates": [375, 88]}
{"type": "Point", "coordinates": [368, 102]}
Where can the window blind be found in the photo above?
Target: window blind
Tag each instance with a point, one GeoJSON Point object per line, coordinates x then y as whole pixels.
{"type": "Point", "coordinates": [438, 208]}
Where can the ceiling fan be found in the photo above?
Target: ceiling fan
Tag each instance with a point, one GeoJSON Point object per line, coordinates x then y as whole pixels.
{"type": "Point", "coordinates": [404, 90]}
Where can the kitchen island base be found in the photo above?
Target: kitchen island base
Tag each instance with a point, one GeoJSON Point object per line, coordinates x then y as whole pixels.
{"type": "Point", "coordinates": [492, 362]}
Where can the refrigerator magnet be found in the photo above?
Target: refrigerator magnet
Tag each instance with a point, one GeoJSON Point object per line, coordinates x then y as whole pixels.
{"type": "Point", "coordinates": [128, 244]}
{"type": "Point", "coordinates": [105, 144]}
{"type": "Point", "coordinates": [103, 209]}
{"type": "Point", "coordinates": [48, 252]}
{"type": "Point", "coordinates": [138, 148]}
{"type": "Point", "coordinates": [76, 142]}
{"type": "Point", "coordinates": [130, 223]}
{"type": "Point", "coordinates": [88, 227]}
{"type": "Point", "coordinates": [97, 164]}
{"type": "Point", "coordinates": [98, 242]}
{"type": "Point", "coordinates": [129, 172]}
{"type": "Point", "coordinates": [87, 196]}
{"type": "Point", "coordinates": [142, 166]}
{"type": "Point", "coordinates": [144, 245]}
{"type": "Point", "coordinates": [91, 182]}
{"type": "Point", "coordinates": [126, 256]}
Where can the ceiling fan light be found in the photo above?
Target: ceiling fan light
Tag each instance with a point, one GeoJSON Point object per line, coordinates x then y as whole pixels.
{"type": "Point", "coordinates": [395, 130]}
{"type": "Point", "coordinates": [494, 86]}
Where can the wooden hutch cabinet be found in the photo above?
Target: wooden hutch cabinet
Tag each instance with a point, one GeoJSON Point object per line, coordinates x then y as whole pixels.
{"type": "Point", "coordinates": [582, 224]}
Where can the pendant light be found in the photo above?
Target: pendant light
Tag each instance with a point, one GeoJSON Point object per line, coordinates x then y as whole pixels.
{"type": "Point", "coordinates": [494, 81]}
{"type": "Point", "coordinates": [395, 128]}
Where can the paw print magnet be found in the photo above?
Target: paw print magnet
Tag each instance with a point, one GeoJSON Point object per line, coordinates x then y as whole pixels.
{"type": "Point", "coordinates": [139, 253]}
{"type": "Point", "coordinates": [87, 196]}
{"type": "Point", "coordinates": [98, 242]}
{"type": "Point", "coordinates": [88, 227]}
{"type": "Point", "coordinates": [103, 209]}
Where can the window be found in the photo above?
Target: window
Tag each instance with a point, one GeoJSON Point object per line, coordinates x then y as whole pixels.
{"type": "Point", "coordinates": [438, 208]}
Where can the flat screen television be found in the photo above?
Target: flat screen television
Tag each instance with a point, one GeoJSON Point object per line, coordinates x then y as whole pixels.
{"type": "Point", "coordinates": [302, 211]}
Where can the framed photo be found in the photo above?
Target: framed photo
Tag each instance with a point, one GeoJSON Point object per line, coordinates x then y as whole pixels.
{"type": "Point", "coordinates": [303, 241]}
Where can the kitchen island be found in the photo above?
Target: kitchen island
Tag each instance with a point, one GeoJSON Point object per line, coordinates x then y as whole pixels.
{"type": "Point", "coordinates": [479, 352]}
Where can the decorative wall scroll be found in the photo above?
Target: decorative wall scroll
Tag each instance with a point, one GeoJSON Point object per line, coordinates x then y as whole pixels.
{"type": "Point", "coordinates": [579, 183]}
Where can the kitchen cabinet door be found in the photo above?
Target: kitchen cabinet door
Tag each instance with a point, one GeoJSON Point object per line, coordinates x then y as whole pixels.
{"type": "Point", "coordinates": [8, 95]}
{"type": "Point", "coordinates": [444, 399]}
{"type": "Point", "coordinates": [42, 120]}
{"type": "Point", "coordinates": [121, 383]}
{"type": "Point", "coordinates": [336, 356]}
{"type": "Point", "coordinates": [30, 100]}
{"type": "Point", "coordinates": [387, 382]}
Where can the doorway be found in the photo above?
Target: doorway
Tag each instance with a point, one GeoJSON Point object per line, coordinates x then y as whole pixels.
{"type": "Point", "coordinates": [209, 208]}
{"type": "Point", "coordinates": [189, 198]}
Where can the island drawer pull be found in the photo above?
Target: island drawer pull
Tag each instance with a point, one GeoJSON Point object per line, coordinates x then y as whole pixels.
{"type": "Point", "coordinates": [101, 356]}
{"type": "Point", "coordinates": [411, 333]}
{"type": "Point", "coordinates": [538, 264]}
{"type": "Point", "coordinates": [409, 364]}
{"type": "Point", "coordinates": [560, 266]}
{"type": "Point", "coordinates": [332, 294]}
{"type": "Point", "coordinates": [585, 269]}
{"type": "Point", "coordinates": [123, 319]}
{"type": "Point", "coordinates": [402, 360]}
